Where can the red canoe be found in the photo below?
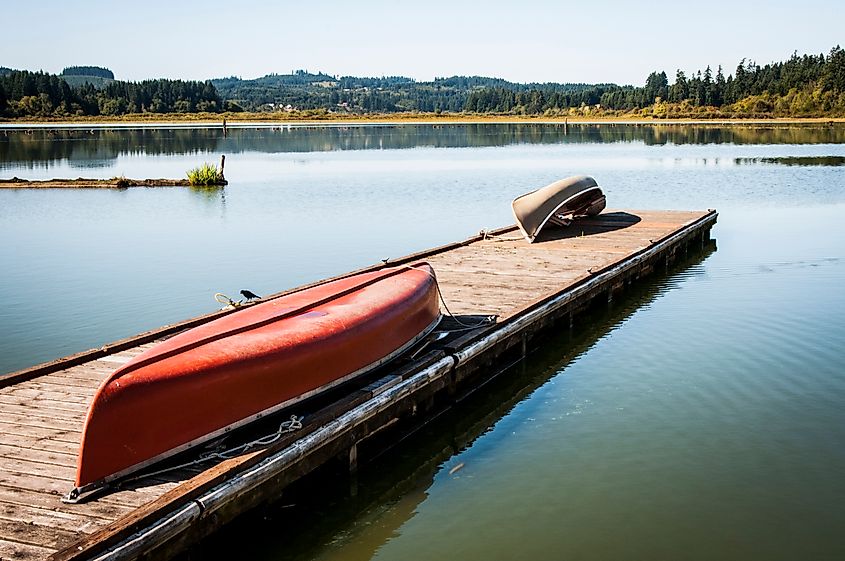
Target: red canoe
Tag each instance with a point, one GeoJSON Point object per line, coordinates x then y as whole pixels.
{"type": "Point", "coordinates": [201, 383]}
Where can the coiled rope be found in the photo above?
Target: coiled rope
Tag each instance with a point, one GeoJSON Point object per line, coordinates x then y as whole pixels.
{"type": "Point", "coordinates": [229, 303]}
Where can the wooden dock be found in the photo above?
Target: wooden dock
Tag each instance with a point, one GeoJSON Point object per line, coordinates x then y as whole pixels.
{"type": "Point", "coordinates": [529, 287]}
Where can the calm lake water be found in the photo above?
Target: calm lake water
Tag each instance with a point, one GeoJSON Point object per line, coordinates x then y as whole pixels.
{"type": "Point", "coordinates": [702, 417]}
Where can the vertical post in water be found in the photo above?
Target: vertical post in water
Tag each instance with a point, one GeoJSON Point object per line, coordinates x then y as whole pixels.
{"type": "Point", "coordinates": [222, 163]}
{"type": "Point", "coordinates": [225, 130]}
{"type": "Point", "coordinates": [353, 458]}
{"type": "Point", "coordinates": [353, 470]}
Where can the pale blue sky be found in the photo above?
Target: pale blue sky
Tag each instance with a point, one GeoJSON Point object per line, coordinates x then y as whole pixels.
{"type": "Point", "coordinates": [520, 40]}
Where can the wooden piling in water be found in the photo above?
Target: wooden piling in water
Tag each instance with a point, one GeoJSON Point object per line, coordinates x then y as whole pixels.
{"type": "Point", "coordinates": [530, 287]}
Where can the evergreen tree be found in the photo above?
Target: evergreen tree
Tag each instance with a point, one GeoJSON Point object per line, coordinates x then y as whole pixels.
{"type": "Point", "coordinates": [656, 85]}
{"type": "Point", "coordinates": [719, 88]}
{"type": "Point", "coordinates": [833, 75]}
{"type": "Point", "coordinates": [707, 87]}
{"type": "Point", "coordinates": [680, 89]}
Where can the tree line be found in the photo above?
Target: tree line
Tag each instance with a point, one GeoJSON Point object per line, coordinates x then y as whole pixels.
{"type": "Point", "coordinates": [39, 94]}
{"type": "Point", "coordinates": [803, 85]}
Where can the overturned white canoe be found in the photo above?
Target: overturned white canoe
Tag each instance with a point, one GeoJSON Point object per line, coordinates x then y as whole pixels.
{"type": "Point", "coordinates": [558, 204]}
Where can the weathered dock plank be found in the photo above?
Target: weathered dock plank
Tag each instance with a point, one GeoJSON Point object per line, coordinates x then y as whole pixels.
{"type": "Point", "coordinates": [528, 286]}
{"type": "Point", "coordinates": [67, 384]}
{"type": "Point", "coordinates": [32, 516]}
{"type": "Point", "coordinates": [50, 537]}
{"type": "Point", "coordinates": [21, 551]}
{"type": "Point", "coordinates": [34, 433]}
{"type": "Point", "coordinates": [39, 408]}
{"type": "Point", "coordinates": [26, 419]}
{"type": "Point", "coordinates": [106, 512]}
{"type": "Point", "coordinates": [43, 442]}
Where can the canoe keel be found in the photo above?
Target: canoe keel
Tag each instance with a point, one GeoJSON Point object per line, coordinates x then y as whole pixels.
{"type": "Point", "coordinates": [207, 381]}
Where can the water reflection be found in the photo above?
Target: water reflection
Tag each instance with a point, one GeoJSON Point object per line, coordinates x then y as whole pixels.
{"type": "Point", "coordinates": [92, 148]}
{"type": "Point", "coordinates": [214, 196]}
{"type": "Point", "coordinates": [211, 193]}
{"type": "Point", "coordinates": [795, 161]}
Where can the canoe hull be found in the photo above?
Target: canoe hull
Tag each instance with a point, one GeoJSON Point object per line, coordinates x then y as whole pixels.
{"type": "Point", "coordinates": [228, 372]}
{"type": "Point", "coordinates": [553, 204]}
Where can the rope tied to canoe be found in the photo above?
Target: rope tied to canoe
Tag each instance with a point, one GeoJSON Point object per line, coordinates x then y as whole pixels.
{"type": "Point", "coordinates": [486, 320]}
{"type": "Point", "coordinates": [229, 304]}
{"type": "Point", "coordinates": [291, 425]}
{"type": "Point", "coordinates": [487, 235]}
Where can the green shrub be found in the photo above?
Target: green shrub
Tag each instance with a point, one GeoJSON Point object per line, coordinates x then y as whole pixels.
{"type": "Point", "coordinates": [206, 174]}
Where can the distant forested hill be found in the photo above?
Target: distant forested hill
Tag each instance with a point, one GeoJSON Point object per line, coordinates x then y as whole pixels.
{"type": "Point", "coordinates": [303, 90]}
{"type": "Point", "coordinates": [805, 85]}
{"type": "Point", "coordinates": [97, 71]}
{"type": "Point", "coordinates": [802, 86]}
{"type": "Point", "coordinates": [97, 76]}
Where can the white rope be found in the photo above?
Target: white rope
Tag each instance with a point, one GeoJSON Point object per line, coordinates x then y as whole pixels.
{"type": "Point", "coordinates": [486, 235]}
{"type": "Point", "coordinates": [466, 326]}
{"type": "Point", "coordinates": [230, 304]}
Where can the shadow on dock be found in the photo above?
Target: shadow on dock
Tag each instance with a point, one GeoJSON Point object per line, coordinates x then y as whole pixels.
{"type": "Point", "coordinates": [607, 222]}
{"type": "Point", "coordinates": [397, 467]}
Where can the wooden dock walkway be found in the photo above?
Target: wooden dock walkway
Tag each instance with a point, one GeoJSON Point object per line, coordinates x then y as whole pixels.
{"type": "Point", "coordinates": [529, 287]}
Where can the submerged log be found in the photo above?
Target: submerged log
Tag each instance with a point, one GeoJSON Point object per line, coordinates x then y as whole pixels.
{"type": "Point", "coordinates": [83, 183]}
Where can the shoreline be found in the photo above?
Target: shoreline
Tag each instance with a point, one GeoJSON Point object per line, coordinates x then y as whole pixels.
{"type": "Point", "coordinates": [239, 120]}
